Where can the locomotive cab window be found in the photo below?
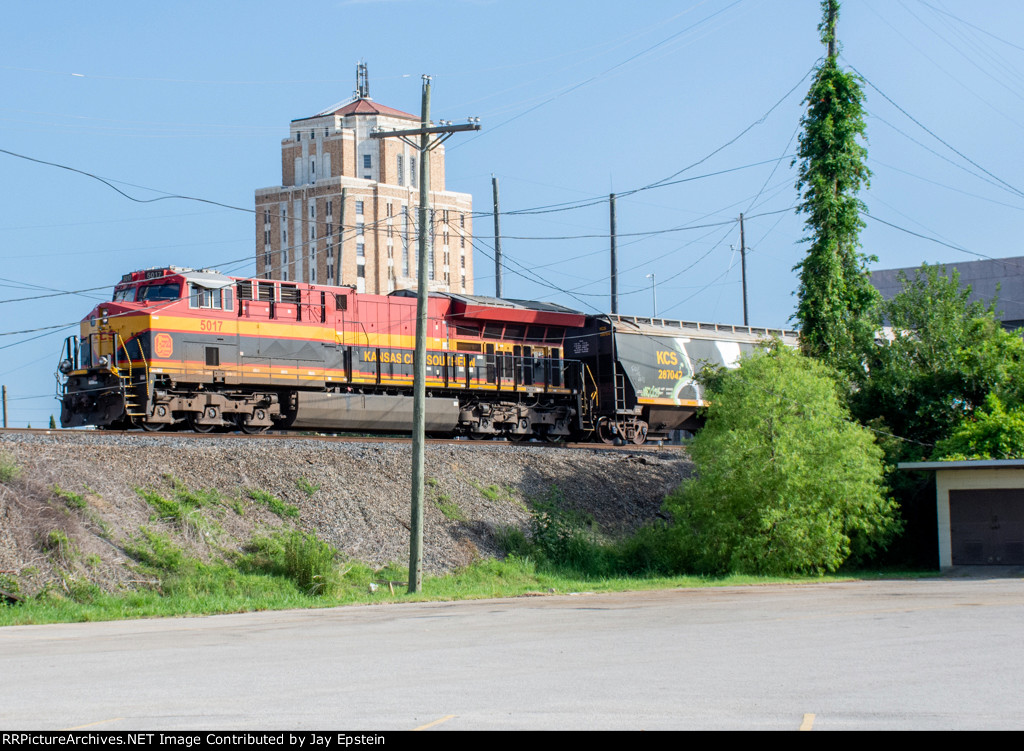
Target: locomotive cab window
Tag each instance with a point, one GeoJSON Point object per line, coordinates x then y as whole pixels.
{"type": "Point", "coordinates": [165, 291]}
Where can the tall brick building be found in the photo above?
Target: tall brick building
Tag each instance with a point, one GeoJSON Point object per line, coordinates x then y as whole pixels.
{"type": "Point", "coordinates": [298, 224]}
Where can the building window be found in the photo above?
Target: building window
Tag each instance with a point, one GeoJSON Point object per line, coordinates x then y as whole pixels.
{"type": "Point", "coordinates": [462, 261]}
{"type": "Point", "coordinates": [312, 232]}
{"type": "Point", "coordinates": [445, 215]}
{"type": "Point", "coordinates": [312, 209]}
{"type": "Point", "coordinates": [360, 249]}
{"type": "Point", "coordinates": [298, 136]}
{"type": "Point", "coordinates": [367, 161]}
{"type": "Point", "coordinates": [361, 271]}
{"type": "Point", "coordinates": [462, 241]}
{"type": "Point", "coordinates": [330, 230]}
{"type": "Point", "coordinates": [462, 220]}
{"type": "Point", "coordinates": [312, 168]}
{"type": "Point", "coordinates": [412, 171]}
{"type": "Point", "coordinates": [330, 209]}
{"type": "Point", "coordinates": [359, 207]}
{"type": "Point", "coordinates": [401, 173]}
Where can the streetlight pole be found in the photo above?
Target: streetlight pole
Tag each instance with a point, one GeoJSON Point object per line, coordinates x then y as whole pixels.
{"type": "Point", "coordinates": [424, 146]}
{"type": "Point", "coordinates": [654, 290]}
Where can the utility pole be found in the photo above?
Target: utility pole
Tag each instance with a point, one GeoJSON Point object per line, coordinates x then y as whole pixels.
{"type": "Point", "coordinates": [743, 270]}
{"type": "Point", "coordinates": [615, 267]}
{"type": "Point", "coordinates": [341, 239]}
{"type": "Point", "coordinates": [498, 285]}
{"type": "Point", "coordinates": [424, 146]}
{"type": "Point", "coordinates": [832, 29]}
{"type": "Point", "coordinates": [654, 291]}
{"type": "Point", "coordinates": [5, 406]}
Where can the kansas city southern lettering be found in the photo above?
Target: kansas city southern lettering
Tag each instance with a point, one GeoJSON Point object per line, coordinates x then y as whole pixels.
{"type": "Point", "coordinates": [667, 357]}
{"type": "Point", "coordinates": [405, 358]}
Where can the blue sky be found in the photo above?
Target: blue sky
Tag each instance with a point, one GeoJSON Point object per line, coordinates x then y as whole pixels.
{"type": "Point", "coordinates": [576, 100]}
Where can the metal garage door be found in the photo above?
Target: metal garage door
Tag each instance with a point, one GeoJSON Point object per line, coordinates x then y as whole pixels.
{"type": "Point", "coordinates": [987, 526]}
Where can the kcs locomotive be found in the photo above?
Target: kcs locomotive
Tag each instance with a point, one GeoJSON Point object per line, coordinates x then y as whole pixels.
{"type": "Point", "coordinates": [178, 348]}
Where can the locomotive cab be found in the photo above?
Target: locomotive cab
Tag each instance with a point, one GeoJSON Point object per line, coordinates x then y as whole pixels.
{"type": "Point", "coordinates": [104, 373]}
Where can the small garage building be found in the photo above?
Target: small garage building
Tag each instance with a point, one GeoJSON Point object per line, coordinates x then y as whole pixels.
{"type": "Point", "coordinates": [980, 505]}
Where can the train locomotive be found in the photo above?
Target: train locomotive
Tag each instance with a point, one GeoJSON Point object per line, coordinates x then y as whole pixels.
{"type": "Point", "coordinates": [179, 348]}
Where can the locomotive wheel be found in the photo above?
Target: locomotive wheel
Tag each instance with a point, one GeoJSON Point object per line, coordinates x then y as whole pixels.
{"type": "Point", "coordinates": [252, 429]}
{"type": "Point", "coordinates": [194, 424]}
{"type": "Point", "coordinates": [604, 431]}
{"type": "Point", "coordinates": [153, 427]}
{"type": "Point", "coordinates": [241, 422]}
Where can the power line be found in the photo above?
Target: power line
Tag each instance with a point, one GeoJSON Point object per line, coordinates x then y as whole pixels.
{"type": "Point", "coordinates": [930, 132]}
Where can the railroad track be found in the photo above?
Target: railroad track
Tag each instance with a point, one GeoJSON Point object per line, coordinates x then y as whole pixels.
{"type": "Point", "coordinates": [300, 436]}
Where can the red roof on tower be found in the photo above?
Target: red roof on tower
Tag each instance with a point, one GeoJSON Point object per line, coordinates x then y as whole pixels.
{"type": "Point", "coordinates": [361, 107]}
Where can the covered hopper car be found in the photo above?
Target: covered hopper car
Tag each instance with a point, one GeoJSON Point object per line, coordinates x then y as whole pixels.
{"type": "Point", "coordinates": [178, 348]}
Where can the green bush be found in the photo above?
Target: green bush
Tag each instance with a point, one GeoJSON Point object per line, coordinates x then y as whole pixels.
{"type": "Point", "coordinates": [309, 562]}
{"type": "Point", "coordinates": [786, 483]}
{"type": "Point", "coordinates": [9, 471]}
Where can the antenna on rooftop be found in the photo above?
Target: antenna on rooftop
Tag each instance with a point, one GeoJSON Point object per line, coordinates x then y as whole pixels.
{"type": "Point", "coordinates": [362, 82]}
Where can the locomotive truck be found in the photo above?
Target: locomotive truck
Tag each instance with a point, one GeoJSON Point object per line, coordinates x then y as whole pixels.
{"type": "Point", "coordinates": [178, 348]}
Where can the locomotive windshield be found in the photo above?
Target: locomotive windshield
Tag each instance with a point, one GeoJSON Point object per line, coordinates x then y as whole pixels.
{"type": "Point", "coordinates": [163, 291]}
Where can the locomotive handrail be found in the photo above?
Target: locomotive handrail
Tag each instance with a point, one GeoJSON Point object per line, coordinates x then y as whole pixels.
{"type": "Point", "coordinates": [118, 339]}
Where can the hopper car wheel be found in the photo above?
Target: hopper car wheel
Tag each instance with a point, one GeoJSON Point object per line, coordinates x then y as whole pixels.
{"type": "Point", "coordinates": [604, 431]}
{"type": "Point", "coordinates": [552, 438]}
{"type": "Point", "coordinates": [154, 427]}
{"type": "Point", "coordinates": [640, 437]}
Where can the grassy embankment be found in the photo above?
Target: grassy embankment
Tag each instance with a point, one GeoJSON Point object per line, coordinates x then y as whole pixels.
{"type": "Point", "coordinates": [285, 567]}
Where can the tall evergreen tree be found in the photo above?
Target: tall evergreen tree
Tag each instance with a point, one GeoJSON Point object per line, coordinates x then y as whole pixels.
{"type": "Point", "coordinates": [835, 296]}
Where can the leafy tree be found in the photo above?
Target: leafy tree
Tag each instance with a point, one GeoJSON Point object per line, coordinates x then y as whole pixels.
{"type": "Point", "coordinates": [994, 433]}
{"type": "Point", "coordinates": [834, 293]}
{"type": "Point", "coordinates": [785, 481]}
{"type": "Point", "coordinates": [941, 359]}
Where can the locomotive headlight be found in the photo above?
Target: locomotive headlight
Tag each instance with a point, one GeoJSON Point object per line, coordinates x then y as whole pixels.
{"type": "Point", "coordinates": [104, 361]}
{"type": "Point", "coordinates": [65, 366]}
{"type": "Point", "coordinates": [103, 312]}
